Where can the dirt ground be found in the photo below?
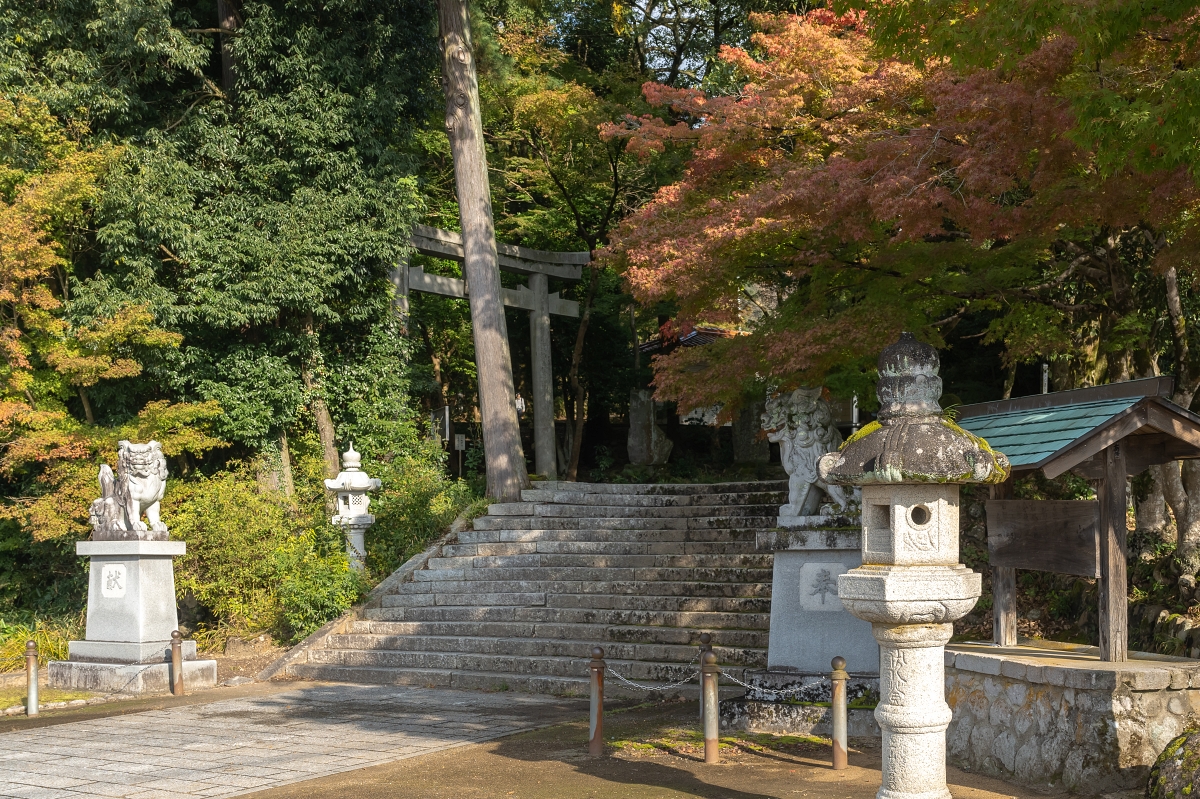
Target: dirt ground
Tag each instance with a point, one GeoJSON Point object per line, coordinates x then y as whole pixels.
{"type": "Point", "coordinates": [655, 751]}
{"type": "Point", "coordinates": [243, 658]}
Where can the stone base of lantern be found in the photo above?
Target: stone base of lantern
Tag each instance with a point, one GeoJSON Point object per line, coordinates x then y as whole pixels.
{"type": "Point", "coordinates": [1045, 713]}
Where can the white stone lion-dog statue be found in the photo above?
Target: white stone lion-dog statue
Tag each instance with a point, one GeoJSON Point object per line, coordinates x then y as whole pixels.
{"type": "Point", "coordinates": [136, 489]}
{"type": "Point", "coordinates": [802, 423]}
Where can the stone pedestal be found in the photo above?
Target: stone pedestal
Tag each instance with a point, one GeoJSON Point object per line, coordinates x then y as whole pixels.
{"type": "Point", "coordinates": [809, 624]}
{"type": "Point", "coordinates": [809, 627]}
{"type": "Point", "coordinates": [131, 615]}
{"type": "Point", "coordinates": [911, 588]}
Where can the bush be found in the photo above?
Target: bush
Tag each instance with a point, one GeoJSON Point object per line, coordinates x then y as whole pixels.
{"type": "Point", "coordinates": [254, 562]}
{"type": "Point", "coordinates": [51, 636]}
{"type": "Point", "coordinates": [314, 586]}
{"type": "Point", "coordinates": [233, 531]}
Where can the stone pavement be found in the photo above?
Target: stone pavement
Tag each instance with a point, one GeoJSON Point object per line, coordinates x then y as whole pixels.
{"type": "Point", "coordinates": [235, 746]}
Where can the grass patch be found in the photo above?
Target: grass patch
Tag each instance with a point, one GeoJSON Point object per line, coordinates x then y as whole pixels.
{"type": "Point", "coordinates": [50, 635]}
{"type": "Point", "coordinates": [16, 696]}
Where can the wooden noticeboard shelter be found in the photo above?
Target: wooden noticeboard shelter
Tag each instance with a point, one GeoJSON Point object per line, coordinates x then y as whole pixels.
{"type": "Point", "coordinates": [1104, 434]}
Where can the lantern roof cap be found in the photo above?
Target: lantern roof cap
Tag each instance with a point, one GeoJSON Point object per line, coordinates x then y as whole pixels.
{"type": "Point", "coordinates": [912, 440]}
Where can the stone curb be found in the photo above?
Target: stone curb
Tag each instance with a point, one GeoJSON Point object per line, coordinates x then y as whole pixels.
{"type": "Point", "coordinates": [374, 599]}
{"type": "Point", "coordinates": [19, 710]}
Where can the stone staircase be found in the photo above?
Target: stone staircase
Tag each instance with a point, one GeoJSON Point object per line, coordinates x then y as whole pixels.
{"type": "Point", "coordinates": [519, 600]}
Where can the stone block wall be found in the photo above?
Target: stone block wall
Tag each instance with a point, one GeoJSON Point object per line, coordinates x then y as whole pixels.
{"type": "Point", "coordinates": [1060, 717]}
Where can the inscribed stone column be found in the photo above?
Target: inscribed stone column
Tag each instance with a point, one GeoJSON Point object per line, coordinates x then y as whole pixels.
{"type": "Point", "coordinates": [543, 378]}
{"type": "Point", "coordinates": [911, 586]}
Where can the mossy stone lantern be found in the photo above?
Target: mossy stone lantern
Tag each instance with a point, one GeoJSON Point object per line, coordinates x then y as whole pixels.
{"type": "Point", "coordinates": [911, 587]}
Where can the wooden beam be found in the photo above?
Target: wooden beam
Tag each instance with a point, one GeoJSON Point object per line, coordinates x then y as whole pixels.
{"type": "Point", "coordinates": [581, 258]}
{"type": "Point", "coordinates": [1145, 387]}
{"type": "Point", "coordinates": [1124, 424]}
{"type": "Point", "coordinates": [1142, 450]}
{"type": "Point", "coordinates": [453, 251]}
{"type": "Point", "coordinates": [1114, 591]}
{"type": "Point", "coordinates": [1174, 424]}
{"type": "Point", "coordinates": [506, 474]}
{"type": "Point", "coordinates": [1045, 535]}
{"type": "Point", "coordinates": [522, 297]}
{"type": "Point", "coordinates": [1004, 583]}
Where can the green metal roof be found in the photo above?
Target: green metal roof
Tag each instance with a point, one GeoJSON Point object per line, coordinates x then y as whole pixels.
{"type": "Point", "coordinates": [1028, 437]}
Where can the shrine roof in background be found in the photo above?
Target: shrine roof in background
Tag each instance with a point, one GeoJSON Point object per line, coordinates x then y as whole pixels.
{"type": "Point", "coordinates": [1066, 430]}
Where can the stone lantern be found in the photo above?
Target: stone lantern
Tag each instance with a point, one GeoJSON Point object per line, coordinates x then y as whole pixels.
{"type": "Point", "coordinates": [910, 586]}
{"type": "Point", "coordinates": [352, 485]}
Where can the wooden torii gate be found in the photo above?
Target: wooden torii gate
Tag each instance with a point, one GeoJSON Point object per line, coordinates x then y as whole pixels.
{"type": "Point", "coordinates": [536, 298]}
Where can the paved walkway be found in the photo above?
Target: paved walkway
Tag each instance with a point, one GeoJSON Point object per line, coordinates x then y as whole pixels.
{"type": "Point", "coordinates": [237, 746]}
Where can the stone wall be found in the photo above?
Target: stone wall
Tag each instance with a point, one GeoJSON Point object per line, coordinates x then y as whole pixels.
{"type": "Point", "coordinates": [1060, 717]}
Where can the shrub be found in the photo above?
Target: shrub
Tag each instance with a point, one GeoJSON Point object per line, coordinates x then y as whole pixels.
{"type": "Point", "coordinates": [233, 531]}
{"type": "Point", "coordinates": [51, 636]}
{"type": "Point", "coordinates": [316, 584]}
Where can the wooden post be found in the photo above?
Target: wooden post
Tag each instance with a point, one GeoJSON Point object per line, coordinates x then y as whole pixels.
{"type": "Point", "coordinates": [1004, 587]}
{"type": "Point", "coordinates": [543, 378]}
{"type": "Point", "coordinates": [1114, 591]}
{"type": "Point", "coordinates": [399, 279]}
{"type": "Point", "coordinates": [506, 474]}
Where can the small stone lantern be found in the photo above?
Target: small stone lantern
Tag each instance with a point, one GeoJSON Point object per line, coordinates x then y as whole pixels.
{"type": "Point", "coordinates": [352, 485]}
{"type": "Point", "coordinates": [911, 586]}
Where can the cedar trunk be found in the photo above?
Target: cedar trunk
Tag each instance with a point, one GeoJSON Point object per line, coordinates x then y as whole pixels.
{"type": "Point", "coordinates": [506, 474]}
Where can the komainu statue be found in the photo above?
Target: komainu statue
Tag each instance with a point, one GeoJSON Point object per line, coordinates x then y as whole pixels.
{"type": "Point", "coordinates": [802, 423]}
{"type": "Point", "coordinates": [135, 490]}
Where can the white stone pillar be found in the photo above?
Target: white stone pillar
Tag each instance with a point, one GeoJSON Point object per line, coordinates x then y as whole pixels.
{"type": "Point", "coordinates": [543, 378]}
{"type": "Point", "coordinates": [911, 586]}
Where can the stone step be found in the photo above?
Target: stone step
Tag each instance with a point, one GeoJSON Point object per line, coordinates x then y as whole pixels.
{"type": "Point", "coordinates": [549, 511]}
{"type": "Point", "coordinates": [539, 647]}
{"type": "Point", "coordinates": [542, 666]}
{"type": "Point", "coordinates": [583, 601]}
{"type": "Point", "coordinates": [662, 488]}
{"type": "Point", "coordinates": [742, 547]}
{"type": "Point", "coordinates": [704, 621]}
{"type": "Point", "coordinates": [580, 523]}
{"type": "Point", "coordinates": [699, 575]}
{"type": "Point", "coordinates": [406, 592]}
{"type": "Point", "coordinates": [498, 623]}
{"type": "Point", "coordinates": [773, 498]}
{"type": "Point", "coordinates": [746, 560]}
{"type": "Point", "coordinates": [728, 534]}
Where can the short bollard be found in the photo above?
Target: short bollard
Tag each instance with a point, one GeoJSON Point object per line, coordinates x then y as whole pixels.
{"type": "Point", "coordinates": [596, 724]}
{"type": "Point", "coordinates": [709, 674]}
{"type": "Point", "coordinates": [176, 663]}
{"type": "Point", "coordinates": [837, 703]}
{"type": "Point", "coordinates": [705, 646]}
{"type": "Point", "coordinates": [31, 679]}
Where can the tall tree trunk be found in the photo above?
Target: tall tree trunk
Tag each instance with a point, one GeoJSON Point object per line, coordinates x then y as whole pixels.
{"type": "Point", "coordinates": [436, 362]}
{"type": "Point", "coordinates": [576, 384]}
{"type": "Point", "coordinates": [87, 406]}
{"type": "Point", "coordinates": [228, 20]}
{"type": "Point", "coordinates": [506, 473]}
{"type": "Point", "coordinates": [285, 465]}
{"type": "Point", "coordinates": [1181, 480]}
{"type": "Point", "coordinates": [1010, 380]}
{"type": "Point", "coordinates": [317, 400]}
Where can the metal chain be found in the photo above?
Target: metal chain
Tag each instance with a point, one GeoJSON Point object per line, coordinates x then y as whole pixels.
{"type": "Point", "coordinates": [772, 693]}
{"type": "Point", "coordinates": [668, 687]}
